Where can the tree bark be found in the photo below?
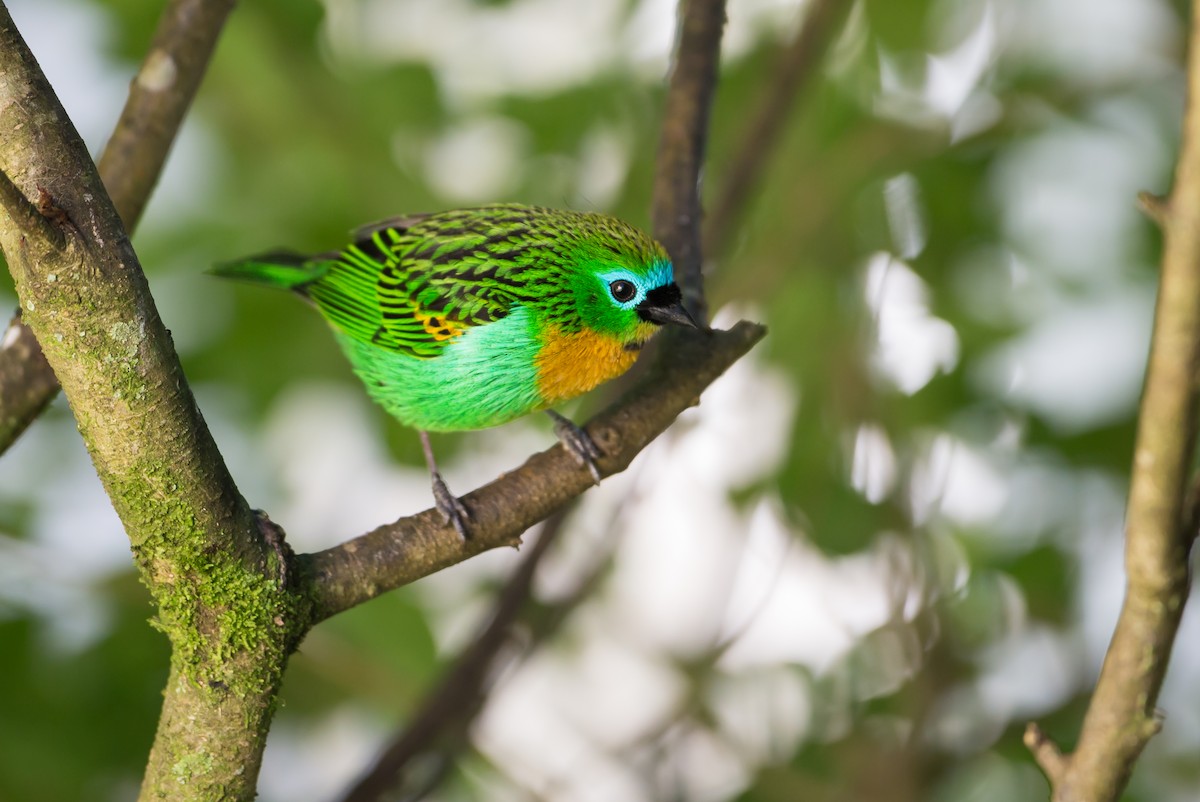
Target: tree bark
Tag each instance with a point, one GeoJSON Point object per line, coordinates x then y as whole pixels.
{"type": "Point", "coordinates": [195, 542]}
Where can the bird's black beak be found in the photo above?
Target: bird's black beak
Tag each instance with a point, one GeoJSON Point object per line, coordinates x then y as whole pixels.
{"type": "Point", "coordinates": [664, 305]}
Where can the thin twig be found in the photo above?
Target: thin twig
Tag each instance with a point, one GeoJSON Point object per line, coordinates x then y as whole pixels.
{"type": "Point", "coordinates": [1047, 754]}
{"type": "Point", "coordinates": [1121, 717]}
{"type": "Point", "coordinates": [796, 69]}
{"type": "Point", "coordinates": [130, 166]}
{"type": "Point", "coordinates": [1153, 206]}
{"type": "Point", "coordinates": [676, 208]}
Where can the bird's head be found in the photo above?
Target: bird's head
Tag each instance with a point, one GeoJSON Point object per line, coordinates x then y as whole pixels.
{"type": "Point", "coordinates": [626, 288]}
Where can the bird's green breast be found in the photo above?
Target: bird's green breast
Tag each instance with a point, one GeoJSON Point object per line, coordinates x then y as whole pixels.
{"type": "Point", "coordinates": [487, 376]}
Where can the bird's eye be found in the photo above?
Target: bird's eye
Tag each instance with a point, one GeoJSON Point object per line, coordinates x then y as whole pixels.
{"type": "Point", "coordinates": [622, 290]}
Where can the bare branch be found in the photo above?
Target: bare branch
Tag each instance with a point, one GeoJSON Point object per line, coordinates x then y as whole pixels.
{"type": "Point", "coordinates": [676, 208]}
{"type": "Point", "coordinates": [396, 554]}
{"type": "Point", "coordinates": [159, 97]}
{"type": "Point", "coordinates": [797, 67]}
{"type": "Point", "coordinates": [1121, 717]}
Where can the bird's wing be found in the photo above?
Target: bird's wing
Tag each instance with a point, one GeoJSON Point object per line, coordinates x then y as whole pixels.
{"type": "Point", "coordinates": [413, 287]}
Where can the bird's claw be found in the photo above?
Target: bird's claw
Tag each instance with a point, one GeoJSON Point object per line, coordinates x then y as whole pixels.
{"type": "Point", "coordinates": [453, 511]}
{"type": "Point", "coordinates": [578, 443]}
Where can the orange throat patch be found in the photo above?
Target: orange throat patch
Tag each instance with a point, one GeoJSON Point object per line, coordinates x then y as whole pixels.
{"type": "Point", "coordinates": [571, 364]}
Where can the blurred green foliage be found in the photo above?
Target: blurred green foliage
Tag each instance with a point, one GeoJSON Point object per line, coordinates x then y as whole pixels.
{"type": "Point", "coordinates": [303, 140]}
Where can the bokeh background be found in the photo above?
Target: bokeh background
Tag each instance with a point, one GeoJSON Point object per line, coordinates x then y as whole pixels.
{"type": "Point", "coordinates": [882, 543]}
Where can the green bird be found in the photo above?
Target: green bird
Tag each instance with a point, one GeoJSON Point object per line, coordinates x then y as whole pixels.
{"type": "Point", "coordinates": [467, 319]}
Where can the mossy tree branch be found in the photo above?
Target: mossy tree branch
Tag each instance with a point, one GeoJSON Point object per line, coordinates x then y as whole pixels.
{"type": "Point", "coordinates": [159, 97]}
{"type": "Point", "coordinates": [195, 542]}
{"type": "Point", "coordinates": [1121, 717]}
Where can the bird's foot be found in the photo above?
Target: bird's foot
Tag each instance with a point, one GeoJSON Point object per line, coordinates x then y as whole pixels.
{"type": "Point", "coordinates": [578, 443]}
{"type": "Point", "coordinates": [274, 537]}
{"type": "Point", "coordinates": [453, 511]}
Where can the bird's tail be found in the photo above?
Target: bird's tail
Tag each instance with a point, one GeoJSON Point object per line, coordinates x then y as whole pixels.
{"type": "Point", "coordinates": [281, 269]}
